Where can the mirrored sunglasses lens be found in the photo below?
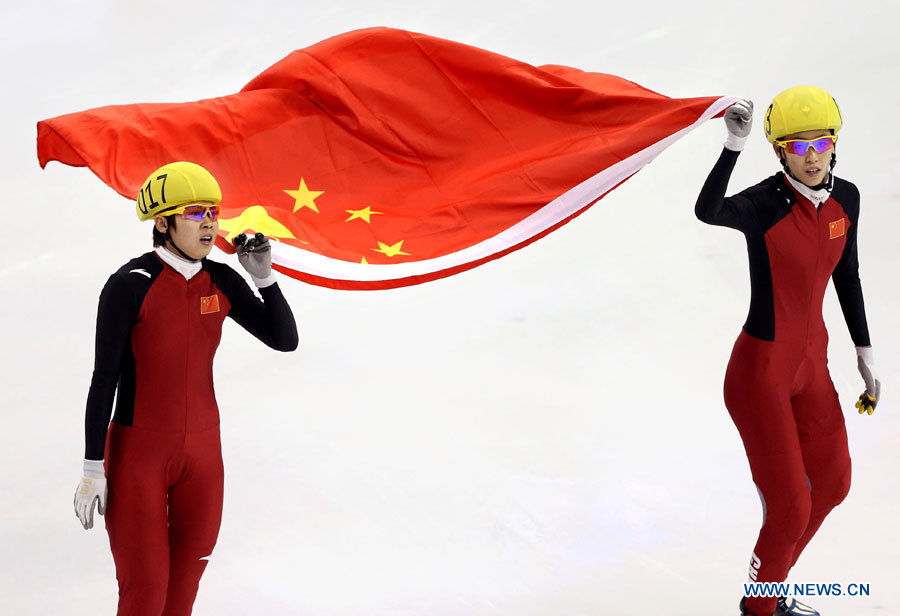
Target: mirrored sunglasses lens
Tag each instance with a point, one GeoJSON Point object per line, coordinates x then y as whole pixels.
{"type": "Point", "coordinates": [199, 213]}
{"type": "Point", "coordinates": [799, 147]}
{"type": "Point", "coordinates": [823, 144]}
{"type": "Point", "coordinates": [194, 213]}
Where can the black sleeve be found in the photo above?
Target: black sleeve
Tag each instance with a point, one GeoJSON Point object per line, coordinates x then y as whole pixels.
{"type": "Point", "coordinates": [116, 315]}
{"type": "Point", "coordinates": [269, 319]}
{"type": "Point", "coordinates": [738, 211]}
{"type": "Point", "coordinates": [846, 275]}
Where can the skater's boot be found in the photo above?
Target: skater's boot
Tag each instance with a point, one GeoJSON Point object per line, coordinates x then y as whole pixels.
{"type": "Point", "coordinates": [785, 607]}
{"type": "Point", "coordinates": [792, 607]}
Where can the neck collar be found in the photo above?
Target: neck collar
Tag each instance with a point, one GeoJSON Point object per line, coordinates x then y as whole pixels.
{"type": "Point", "coordinates": [818, 197]}
{"type": "Point", "coordinates": [181, 265]}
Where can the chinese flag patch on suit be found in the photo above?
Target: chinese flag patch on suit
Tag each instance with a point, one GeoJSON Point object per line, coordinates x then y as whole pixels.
{"type": "Point", "coordinates": [382, 158]}
{"type": "Point", "coordinates": [209, 305]}
{"type": "Point", "coordinates": [836, 228]}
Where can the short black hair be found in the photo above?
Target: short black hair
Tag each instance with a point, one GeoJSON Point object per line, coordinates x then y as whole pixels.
{"type": "Point", "coordinates": [159, 239]}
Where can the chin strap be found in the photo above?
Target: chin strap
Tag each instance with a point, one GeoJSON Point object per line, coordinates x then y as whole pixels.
{"type": "Point", "coordinates": [170, 241]}
{"type": "Point", "coordinates": [827, 183]}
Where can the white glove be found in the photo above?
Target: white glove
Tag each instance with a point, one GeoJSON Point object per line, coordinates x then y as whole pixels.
{"type": "Point", "coordinates": [91, 490]}
{"type": "Point", "coordinates": [738, 121]}
{"type": "Point", "coordinates": [255, 255]}
{"type": "Point", "coordinates": [865, 361]}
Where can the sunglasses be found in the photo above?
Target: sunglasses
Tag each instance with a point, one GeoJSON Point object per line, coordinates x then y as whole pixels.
{"type": "Point", "coordinates": [196, 212]}
{"type": "Point", "coordinates": [801, 146]}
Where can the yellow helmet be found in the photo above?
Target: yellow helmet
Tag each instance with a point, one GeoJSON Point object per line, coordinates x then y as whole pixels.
{"type": "Point", "coordinates": [799, 109]}
{"type": "Point", "coordinates": [173, 185]}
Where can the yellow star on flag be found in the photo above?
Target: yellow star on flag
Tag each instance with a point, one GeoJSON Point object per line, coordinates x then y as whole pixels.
{"type": "Point", "coordinates": [364, 214]}
{"type": "Point", "coordinates": [256, 219]}
{"type": "Point", "coordinates": [304, 197]}
{"type": "Point", "coordinates": [391, 251]}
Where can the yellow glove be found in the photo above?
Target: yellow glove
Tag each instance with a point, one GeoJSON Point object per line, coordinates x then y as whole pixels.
{"type": "Point", "coordinates": [866, 403]}
{"type": "Point", "coordinates": [868, 399]}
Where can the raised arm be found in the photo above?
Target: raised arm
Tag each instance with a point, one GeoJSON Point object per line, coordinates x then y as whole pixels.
{"type": "Point", "coordinates": [712, 206]}
{"type": "Point", "coordinates": [269, 319]}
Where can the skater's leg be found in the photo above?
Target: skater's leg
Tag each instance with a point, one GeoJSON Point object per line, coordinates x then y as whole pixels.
{"type": "Point", "coordinates": [758, 388]}
{"type": "Point", "coordinates": [827, 463]}
{"type": "Point", "coordinates": [195, 514]}
{"type": "Point", "coordinates": [785, 495]}
{"type": "Point", "coordinates": [136, 521]}
{"type": "Point", "coordinates": [823, 441]}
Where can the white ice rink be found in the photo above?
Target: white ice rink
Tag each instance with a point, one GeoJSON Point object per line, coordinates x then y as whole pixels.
{"type": "Point", "coordinates": [541, 436]}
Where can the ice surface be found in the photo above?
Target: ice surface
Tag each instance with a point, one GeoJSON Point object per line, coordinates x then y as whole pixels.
{"type": "Point", "coordinates": [541, 436]}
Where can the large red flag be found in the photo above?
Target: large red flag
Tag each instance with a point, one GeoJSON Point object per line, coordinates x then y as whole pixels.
{"type": "Point", "coordinates": [382, 158]}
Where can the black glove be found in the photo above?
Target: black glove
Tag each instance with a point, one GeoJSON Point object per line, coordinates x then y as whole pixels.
{"type": "Point", "coordinates": [255, 255]}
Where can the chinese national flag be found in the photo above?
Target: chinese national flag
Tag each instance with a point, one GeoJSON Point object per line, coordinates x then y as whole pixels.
{"type": "Point", "coordinates": [382, 158]}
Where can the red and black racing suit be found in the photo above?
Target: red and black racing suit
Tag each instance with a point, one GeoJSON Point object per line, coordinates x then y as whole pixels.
{"type": "Point", "coordinates": [157, 334]}
{"type": "Point", "coordinates": [777, 387]}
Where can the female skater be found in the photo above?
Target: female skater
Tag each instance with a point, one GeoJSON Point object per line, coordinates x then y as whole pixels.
{"type": "Point", "coordinates": [801, 229]}
{"type": "Point", "coordinates": [158, 325]}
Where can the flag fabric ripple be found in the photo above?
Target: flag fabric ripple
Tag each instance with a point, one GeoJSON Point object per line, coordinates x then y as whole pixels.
{"type": "Point", "coordinates": [383, 158]}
